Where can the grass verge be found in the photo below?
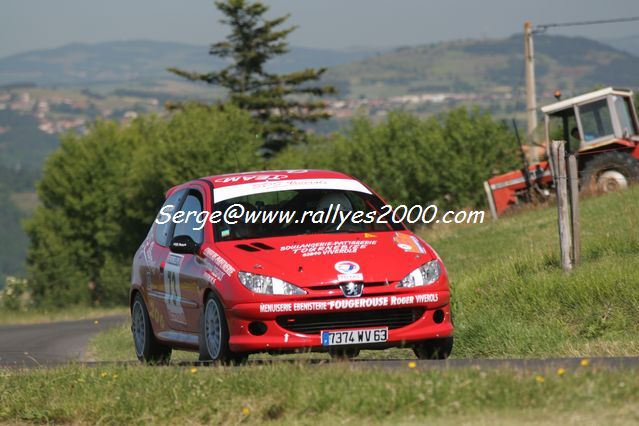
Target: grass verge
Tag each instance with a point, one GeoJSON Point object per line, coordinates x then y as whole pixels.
{"type": "Point", "coordinates": [67, 314]}
{"type": "Point", "coordinates": [302, 394]}
{"type": "Point", "coordinates": [510, 297]}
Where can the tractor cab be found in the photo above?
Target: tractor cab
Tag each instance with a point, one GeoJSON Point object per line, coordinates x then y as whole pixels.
{"type": "Point", "coordinates": [600, 128]}
{"type": "Point", "coordinates": [593, 121]}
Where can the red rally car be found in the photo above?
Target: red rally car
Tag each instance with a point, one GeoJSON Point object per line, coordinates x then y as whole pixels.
{"type": "Point", "coordinates": [205, 281]}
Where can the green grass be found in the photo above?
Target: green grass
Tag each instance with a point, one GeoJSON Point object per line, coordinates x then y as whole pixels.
{"type": "Point", "coordinates": [67, 314]}
{"type": "Point", "coordinates": [511, 298]}
{"type": "Point", "coordinates": [301, 394]}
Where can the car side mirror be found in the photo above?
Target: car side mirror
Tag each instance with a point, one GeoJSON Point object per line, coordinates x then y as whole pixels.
{"type": "Point", "coordinates": [184, 244]}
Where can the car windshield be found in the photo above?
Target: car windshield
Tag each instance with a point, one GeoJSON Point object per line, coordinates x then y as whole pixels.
{"type": "Point", "coordinates": [298, 212]}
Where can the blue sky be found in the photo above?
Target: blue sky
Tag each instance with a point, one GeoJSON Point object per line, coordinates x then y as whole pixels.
{"type": "Point", "coordinates": [36, 24]}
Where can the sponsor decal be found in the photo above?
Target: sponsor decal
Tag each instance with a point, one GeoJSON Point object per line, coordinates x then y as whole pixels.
{"type": "Point", "coordinates": [218, 260]}
{"type": "Point", "coordinates": [348, 272]}
{"type": "Point", "coordinates": [347, 267]}
{"type": "Point", "coordinates": [155, 315]}
{"type": "Point", "coordinates": [250, 178]}
{"type": "Point", "coordinates": [172, 293]}
{"type": "Point", "coordinates": [349, 277]}
{"type": "Point", "coordinates": [408, 243]}
{"type": "Point", "coordinates": [351, 303]}
{"type": "Point", "coordinates": [328, 247]}
{"type": "Point", "coordinates": [147, 250]}
{"type": "Point", "coordinates": [241, 188]}
{"type": "Point", "coordinates": [213, 274]}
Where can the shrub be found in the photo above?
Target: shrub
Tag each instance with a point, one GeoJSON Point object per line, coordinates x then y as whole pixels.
{"type": "Point", "coordinates": [101, 191]}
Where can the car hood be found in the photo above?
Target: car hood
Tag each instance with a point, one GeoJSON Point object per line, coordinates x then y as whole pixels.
{"type": "Point", "coordinates": [326, 259]}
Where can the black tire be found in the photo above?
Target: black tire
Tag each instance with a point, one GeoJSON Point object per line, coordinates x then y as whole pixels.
{"type": "Point", "coordinates": [434, 348]}
{"type": "Point", "coordinates": [343, 354]}
{"type": "Point", "coordinates": [212, 324]}
{"type": "Point", "coordinates": [147, 348]}
{"type": "Point", "coordinates": [593, 179]}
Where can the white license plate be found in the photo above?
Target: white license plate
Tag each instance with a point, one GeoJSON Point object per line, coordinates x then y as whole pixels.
{"type": "Point", "coordinates": [354, 337]}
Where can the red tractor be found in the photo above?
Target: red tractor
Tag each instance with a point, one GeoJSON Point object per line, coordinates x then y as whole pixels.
{"type": "Point", "coordinates": [600, 127]}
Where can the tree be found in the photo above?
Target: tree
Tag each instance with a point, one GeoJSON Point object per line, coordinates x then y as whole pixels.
{"type": "Point", "coordinates": [100, 193]}
{"type": "Point", "coordinates": [443, 159]}
{"type": "Point", "coordinates": [278, 101]}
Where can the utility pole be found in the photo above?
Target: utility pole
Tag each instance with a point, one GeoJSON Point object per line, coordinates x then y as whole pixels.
{"type": "Point", "coordinates": [531, 94]}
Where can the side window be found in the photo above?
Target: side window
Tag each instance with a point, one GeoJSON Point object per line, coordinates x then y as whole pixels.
{"type": "Point", "coordinates": [163, 230]}
{"type": "Point", "coordinates": [595, 120]}
{"type": "Point", "coordinates": [622, 105]}
{"type": "Point", "coordinates": [188, 225]}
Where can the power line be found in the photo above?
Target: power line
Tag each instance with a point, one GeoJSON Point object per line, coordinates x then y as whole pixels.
{"type": "Point", "coordinates": [543, 27]}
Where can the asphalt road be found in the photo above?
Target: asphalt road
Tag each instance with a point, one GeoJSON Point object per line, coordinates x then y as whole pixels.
{"type": "Point", "coordinates": [33, 345]}
{"type": "Point", "coordinates": [56, 343]}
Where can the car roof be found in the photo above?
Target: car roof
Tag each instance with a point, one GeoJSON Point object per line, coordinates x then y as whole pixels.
{"type": "Point", "coordinates": [232, 179]}
{"type": "Point", "coordinates": [234, 185]}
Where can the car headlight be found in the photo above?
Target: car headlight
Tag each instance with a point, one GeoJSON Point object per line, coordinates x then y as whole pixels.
{"type": "Point", "coordinates": [267, 285]}
{"type": "Point", "coordinates": [426, 274]}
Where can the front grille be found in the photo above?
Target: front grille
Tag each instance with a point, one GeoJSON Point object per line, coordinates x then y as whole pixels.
{"type": "Point", "coordinates": [314, 323]}
{"type": "Point", "coordinates": [336, 286]}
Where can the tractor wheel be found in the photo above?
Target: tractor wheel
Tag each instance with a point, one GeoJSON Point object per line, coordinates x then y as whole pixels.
{"type": "Point", "coordinates": [609, 172]}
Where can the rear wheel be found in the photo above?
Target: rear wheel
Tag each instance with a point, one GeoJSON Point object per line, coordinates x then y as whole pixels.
{"type": "Point", "coordinates": [434, 348]}
{"type": "Point", "coordinates": [214, 335]}
{"type": "Point", "coordinates": [147, 348]}
{"type": "Point", "coordinates": [609, 172]}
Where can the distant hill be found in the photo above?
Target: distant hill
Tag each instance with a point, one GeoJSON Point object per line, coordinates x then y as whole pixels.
{"type": "Point", "coordinates": [571, 63]}
{"type": "Point", "coordinates": [473, 66]}
{"type": "Point", "coordinates": [123, 61]}
{"type": "Point", "coordinates": [628, 44]}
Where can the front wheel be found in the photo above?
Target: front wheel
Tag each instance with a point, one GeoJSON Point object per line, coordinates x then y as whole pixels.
{"type": "Point", "coordinates": [434, 348]}
{"type": "Point", "coordinates": [147, 348]}
{"type": "Point", "coordinates": [214, 335]}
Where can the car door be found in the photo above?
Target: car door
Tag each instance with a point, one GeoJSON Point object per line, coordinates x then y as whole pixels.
{"type": "Point", "coordinates": [184, 273]}
{"type": "Point", "coordinates": [156, 251]}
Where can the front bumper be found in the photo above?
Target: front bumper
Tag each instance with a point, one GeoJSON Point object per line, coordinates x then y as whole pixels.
{"type": "Point", "coordinates": [433, 321]}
